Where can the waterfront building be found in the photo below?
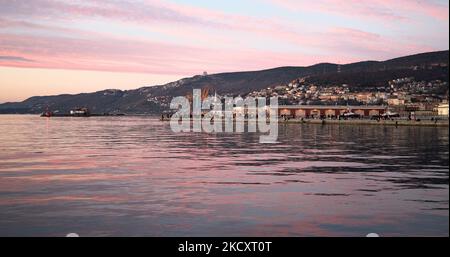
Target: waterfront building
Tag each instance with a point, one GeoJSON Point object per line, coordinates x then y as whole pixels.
{"type": "Point", "coordinates": [301, 111]}
{"type": "Point", "coordinates": [443, 109]}
{"type": "Point", "coordinates": [396, 101]}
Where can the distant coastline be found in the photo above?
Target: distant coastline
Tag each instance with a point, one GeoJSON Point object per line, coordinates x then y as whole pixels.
{"type": "Point", "coordinates": [368, 82]}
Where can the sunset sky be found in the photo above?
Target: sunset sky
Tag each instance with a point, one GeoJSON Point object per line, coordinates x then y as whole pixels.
{"type": "Point", "coordinates": [52, 47]}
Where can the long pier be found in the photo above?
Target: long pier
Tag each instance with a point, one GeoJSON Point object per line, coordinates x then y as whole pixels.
{"type": "Point", "coordinates": [382, 122]}
{"type": "Point", "coordinates": [428, 123]}
{"type": "Point", "coordinates": [55, 115]}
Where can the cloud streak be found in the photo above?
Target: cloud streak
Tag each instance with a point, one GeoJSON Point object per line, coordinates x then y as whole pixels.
{"type": "Point", "coordinates": [14, 59]}
{"type": "Point", "coordinates": [381, 10]}
{"type": "Point", "coordinates": [171, 38]}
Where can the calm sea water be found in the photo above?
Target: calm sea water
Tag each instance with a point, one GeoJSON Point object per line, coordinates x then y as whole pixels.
{"type": "Point", "coordinates": [132, 176]}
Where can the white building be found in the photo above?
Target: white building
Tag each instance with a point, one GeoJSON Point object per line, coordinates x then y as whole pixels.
{"type": "Point", "coordinates": [442, 109]}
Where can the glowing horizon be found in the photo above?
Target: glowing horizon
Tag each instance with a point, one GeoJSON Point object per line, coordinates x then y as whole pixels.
{"type": "Point", "coordinates": [54, 47]}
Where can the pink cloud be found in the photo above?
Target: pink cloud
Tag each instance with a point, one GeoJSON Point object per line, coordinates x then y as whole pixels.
{"type": "Point", "coordinates": [430, 8]}
{"type": "Point", "coordinates": [137, 56]}
{"type": "Point", "coordinates": [382, 10]}
{"type": "Point", "coordinates": [348, 8]}
{"type": "Point", "coordinates": [360, 43]}
{"type": "Point", "coordinates": [148, 12]}
{"type": "Point", "coordinates": [206, 39]}
{"type": "Point", "coordinates": [102, 52]}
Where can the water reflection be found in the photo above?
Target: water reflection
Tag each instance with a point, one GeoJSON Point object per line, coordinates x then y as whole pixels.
{"type": "Point", "coordinates": [133, 176]}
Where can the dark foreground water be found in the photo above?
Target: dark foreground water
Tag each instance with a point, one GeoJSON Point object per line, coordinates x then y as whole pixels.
{"type": "Point", "coordinates": [132, 176]}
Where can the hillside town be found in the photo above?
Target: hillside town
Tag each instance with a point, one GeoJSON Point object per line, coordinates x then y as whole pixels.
{"type": "Point", "coordinates": [402, 95]}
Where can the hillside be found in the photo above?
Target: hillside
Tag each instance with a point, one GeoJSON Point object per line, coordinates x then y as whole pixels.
{"type": "Point", "coordinates": [426, 66]}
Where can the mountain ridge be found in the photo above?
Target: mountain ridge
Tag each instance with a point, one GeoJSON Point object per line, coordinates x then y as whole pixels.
{"type": "Point", "coordinates": [153, 99]}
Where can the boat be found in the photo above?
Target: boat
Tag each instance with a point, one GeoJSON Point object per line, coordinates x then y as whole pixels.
{"type": "Point", "coordinates": [80, 112]}
{"type": "Point", "coordinates": [47, 114]}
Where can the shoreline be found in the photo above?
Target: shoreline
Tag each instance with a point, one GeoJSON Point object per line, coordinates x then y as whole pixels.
{"type": "Point", "coordinates": [422, 123]}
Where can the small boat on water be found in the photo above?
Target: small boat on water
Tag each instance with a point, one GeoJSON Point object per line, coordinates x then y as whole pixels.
{"type": "Point", "coordinates": [80, 112]}
{"type": "Point", "coordinates": [47, 114]}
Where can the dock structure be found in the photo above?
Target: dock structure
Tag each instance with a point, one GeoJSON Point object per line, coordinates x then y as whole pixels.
{"type": "Point", "coordinates": [366, 122]}
{"type": "Point", "coordinates": [304, 111]}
